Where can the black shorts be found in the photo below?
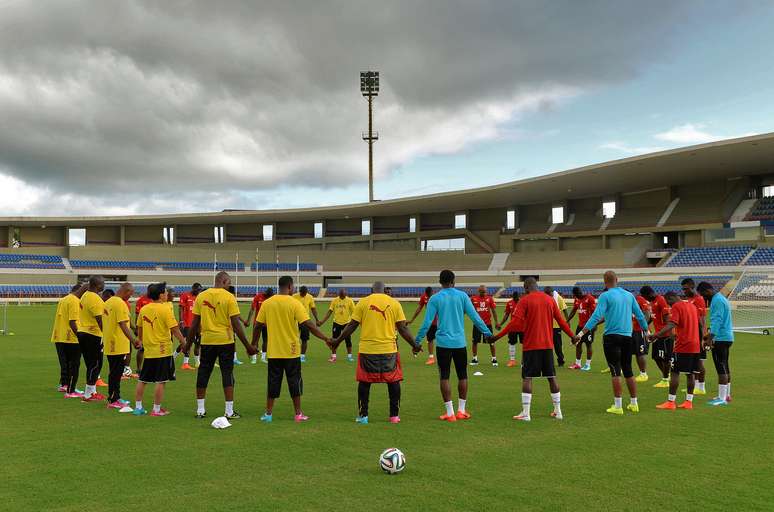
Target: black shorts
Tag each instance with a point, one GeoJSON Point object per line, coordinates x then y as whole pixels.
{"type": "Point", "coordinates": [588, 339]}
{"type": "Point", "coordinates": [303, 332]}
{"type": "Point", "coordinates": [618, 354]}
{"type": "Point", "coordinates": [157, 370]}
{"type": "Point", "coordinates": [431, 332]}
{"type": "Point", "coordinates": [478, 336]}
{"type": "Point", "coordinates": [537, 363]}
{"type": "Point", "coordinates": [515, 337]}
{"type": "Point", "coordinates": [336, 331]}
{"type": "Point", "coordinates": [639, 344]}
{"type": "Point", "coordinates": [444, 358]}
{"type": "Point", "coordinates": [291, 368]}
{"type": "Point", "coordinates": [685, 363]}
{"type": "Point", "coordinates": [662, 349]}
{"type": "Point", "coordinates": [720, 352]}
{"type": "Point", "coordinates": [224, 355]}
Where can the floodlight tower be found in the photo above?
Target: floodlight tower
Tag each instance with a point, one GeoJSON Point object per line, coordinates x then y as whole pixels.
{"type": "Point", "coordinates": [369, 87]}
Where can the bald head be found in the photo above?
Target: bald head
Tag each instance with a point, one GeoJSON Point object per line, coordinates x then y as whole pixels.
{"type": "Point", "coordinates": [378, 287]}
{"type": "Point", "coordinates": [125, 291]}
{"type": "Point", "coordinates": [530, 284]}
{"type": "Point", "coordinates": [611, 279]}
{"type": "Point", "coordinates": [482, 290]}
{"type": "Point", "coordinates": [222, 280]}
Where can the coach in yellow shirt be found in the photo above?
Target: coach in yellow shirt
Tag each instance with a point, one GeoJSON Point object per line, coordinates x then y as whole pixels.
{"type": "Point", "coordinates": [116, 336]}
{"type": "Point", "coordinates": [283, 315]}
{"type": "Point", "coordinates": [379, 317]}
{"type": "Point", "coordinates": [216, 319]}
{"type": "Point", "coordinates": [341, 308]}
{"type": "Point", "coordinates": [92, 308]}
{"type": "Point", "coordinates": [306, 299]}
{"type": "Point", "coordinates": [156, 325]}
{"type": "Point", "coordinates": [64, 335]}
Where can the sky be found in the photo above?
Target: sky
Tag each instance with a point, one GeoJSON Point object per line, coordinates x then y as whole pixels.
{"type": "Point", "coordinates": [114, 108]}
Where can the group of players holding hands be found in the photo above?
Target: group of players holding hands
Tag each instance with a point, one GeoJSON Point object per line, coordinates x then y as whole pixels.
{"type": "Point", "coordinates": [88, 325]}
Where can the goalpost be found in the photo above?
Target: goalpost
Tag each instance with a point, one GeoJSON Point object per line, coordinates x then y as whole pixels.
{"type": "Point", "coordinates": [752, 300]}
{"type": "Point", "coordinates": [3, 318]}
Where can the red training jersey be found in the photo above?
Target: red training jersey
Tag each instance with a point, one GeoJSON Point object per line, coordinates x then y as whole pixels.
{"type": "Point", "coordinates": [256, 305]}
{"type": "Point", "coordinates": [686, 320]}
{"type": "Point", "coordinates": [423, 300]}
{"type": "Point", "coordinates": [701, 306]}
{"type": "Point", "coordinates": [187, 300]}
{"type": "Point", "coordinates": [142, 301]}
{"type": "Point", "coordinates": [534, 317]}
{"type": "Point", "coordinates": [482, 305]}
{"type": "Point", "coordinates": [510, 307]}
{"type": "Point", "coordinates": [660, 310]}
{"type": "Point", "coordinates": [585, 307]}
{"type": "Point", "coordinates": [646, 310]}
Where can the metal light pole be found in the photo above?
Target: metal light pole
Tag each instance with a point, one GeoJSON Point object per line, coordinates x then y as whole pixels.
{"type": "Point", "coordinates": [369, 87]}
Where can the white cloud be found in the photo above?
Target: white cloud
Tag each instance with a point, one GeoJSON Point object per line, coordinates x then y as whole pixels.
{"type": "Point", "coordinates": [630, 150]}
{"type": "Point", "coordinates": [688, 134]}
{"type": "Point", "coordinates": [682, 135]}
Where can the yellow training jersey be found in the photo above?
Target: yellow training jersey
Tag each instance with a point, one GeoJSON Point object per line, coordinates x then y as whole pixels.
{"type": "Point", "coordinates": [157, 322]}
{"type": "Point", "coordinates": [342, 310]}
{"type": "Point", "coordinates": [562, 306]}
{"type": "Point", "coordinates": [113, 338]}
{"type": "Point", "coordinates": [92, 306]}
{"type": "Point", "coordinates": [215, 307]}
{"type": "Point", "coordinates": [307, 301]}
{"type": "Point", "coordinates": [281, 315]}
{"type": "Point", "coordinates": [377, 315]}
{"type": "Point", "coordinates": [68, 308]}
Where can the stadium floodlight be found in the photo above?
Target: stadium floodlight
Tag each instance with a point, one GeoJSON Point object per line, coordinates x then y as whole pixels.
{"type": "Point", "coordinates": [369, 87]}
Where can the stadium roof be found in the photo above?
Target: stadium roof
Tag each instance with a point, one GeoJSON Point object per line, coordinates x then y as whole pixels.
{"type": "Point", "coordinates": [745, 156]}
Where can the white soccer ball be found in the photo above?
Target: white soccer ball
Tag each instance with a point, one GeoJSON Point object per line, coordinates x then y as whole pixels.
{"type": "Point", "coordinates": [392, 461]}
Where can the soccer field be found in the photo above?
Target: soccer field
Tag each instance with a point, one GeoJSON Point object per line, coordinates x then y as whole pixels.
{"type": "Point", "coordinates": [66, 455]}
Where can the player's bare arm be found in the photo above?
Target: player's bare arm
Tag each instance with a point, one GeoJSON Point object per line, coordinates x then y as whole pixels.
{"type": "Point", "coordinates": [193, 331]}
{"type": "Point", "coordinates": [239, 330]}
{"type": "Point", "coordinates": [405, 333]}
{"type": "Point", "coordinates": [128, 333]}
{"type": "Point", "coordinates": [316, 331]}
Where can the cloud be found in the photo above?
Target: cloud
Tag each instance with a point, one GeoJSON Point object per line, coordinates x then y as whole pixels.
{"type": "Point", "coordinates": [195, 105]}
{"type": "Point", "coordinates": [681, 135]}
{"type": "Point", "coordinates": [692, 134]}
{"type": "Point", "coordinates": [631, 150]}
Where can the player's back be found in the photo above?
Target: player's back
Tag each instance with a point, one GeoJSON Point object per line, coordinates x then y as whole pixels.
{"type": "Point", "coordinates": [538, 317]}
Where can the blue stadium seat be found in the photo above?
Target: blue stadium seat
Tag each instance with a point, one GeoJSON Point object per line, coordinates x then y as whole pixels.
{"type": "Point", "coordinates": [709, 256]}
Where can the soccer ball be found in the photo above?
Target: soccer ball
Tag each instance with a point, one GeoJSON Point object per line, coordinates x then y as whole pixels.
{"type": "Point", "coordinates": [392, 461]}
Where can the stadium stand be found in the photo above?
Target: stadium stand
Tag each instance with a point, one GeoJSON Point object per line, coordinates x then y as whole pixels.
{"type": "Point", "coordinates": [200, 266]}
{"type": "Point", "coordinates": [33, 291]}
{"type": "Point", "coordinates": [761, 256]}
{"type": "Point", "coordinates": [283, 267]}
{"type": "Point", "coordinates": [754, 288]}
{"type": "Point", "coordinates": [113, 265]}
{"type": "Point", "coordinates": [710, 256]}
{"type": "Point", "coordinates": [763, 209]}
{"type": "Point", "coordinates": [401, 291]}
{"type": "Point", "coordinates": [31, 261]}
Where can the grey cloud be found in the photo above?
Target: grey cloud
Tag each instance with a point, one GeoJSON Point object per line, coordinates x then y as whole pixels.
{"type": "Point", "coordinates": [109, 98]}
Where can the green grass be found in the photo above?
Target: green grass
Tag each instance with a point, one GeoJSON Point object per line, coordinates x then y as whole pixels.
{"type": "Point", "coordinates": [66, 455]}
